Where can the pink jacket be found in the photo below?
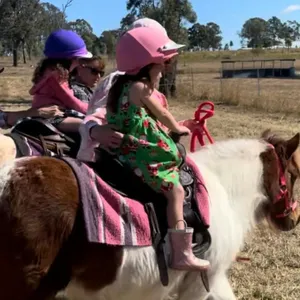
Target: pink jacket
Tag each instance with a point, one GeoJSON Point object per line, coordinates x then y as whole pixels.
{"type": "Point", "coordinates": [51, 91]}
{"type": "Point", "coordinates": [97, 115]}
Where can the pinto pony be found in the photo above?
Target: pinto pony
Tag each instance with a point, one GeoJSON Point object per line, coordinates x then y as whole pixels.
{"type": "Point", "coordinates": [44, 247]}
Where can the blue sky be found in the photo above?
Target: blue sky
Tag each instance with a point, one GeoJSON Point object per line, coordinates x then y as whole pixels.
{"type": "Point", "coordinates": [229, 15]}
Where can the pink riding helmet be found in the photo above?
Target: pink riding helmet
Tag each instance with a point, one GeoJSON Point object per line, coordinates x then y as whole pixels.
{"type": "Point", "coordinates": [151, 23]}
{"type": "Point", "coordinates": [142, 46]}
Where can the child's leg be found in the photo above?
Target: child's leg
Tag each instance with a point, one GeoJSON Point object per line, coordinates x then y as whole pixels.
{"type": "Point", "coordinates": [180, 235]}
{"type": "Point", "coordinates": [175, 199]}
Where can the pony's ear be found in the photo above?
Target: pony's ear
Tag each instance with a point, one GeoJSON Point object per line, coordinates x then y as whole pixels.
{"type": "Point", "coordinates": [266, 134]}
{"type": "Point", "coordinates": [292, 145]}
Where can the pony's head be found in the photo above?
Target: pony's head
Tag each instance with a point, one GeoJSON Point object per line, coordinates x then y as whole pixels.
{"type": "Point", "coordinates": [281, 163]}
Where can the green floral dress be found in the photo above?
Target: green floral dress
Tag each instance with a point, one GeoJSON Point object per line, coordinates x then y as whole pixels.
{"type": "Point", "coordinates": [146, 147]}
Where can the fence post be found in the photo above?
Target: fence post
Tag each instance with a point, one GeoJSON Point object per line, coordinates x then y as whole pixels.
{"type": "Point", "coordinates": [258, 83]}
{"type": "Point", "coordinates": [221, 84]}
{"type": "Point", "coordinates": [192, 77]}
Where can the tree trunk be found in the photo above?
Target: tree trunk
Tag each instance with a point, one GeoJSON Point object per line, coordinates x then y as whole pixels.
{"type": "Point", "coordinates": [15, 54]}
{"type": "Point", "coordinates": [24, 53]}
{"type": "Point", "coordinates": [15, 57]}
{"type": "Point", "coordinates": [29, 53]}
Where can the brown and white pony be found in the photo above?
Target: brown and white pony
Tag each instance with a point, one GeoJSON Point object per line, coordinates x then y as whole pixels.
{"type": "Point", "coordinates": [43, 244]}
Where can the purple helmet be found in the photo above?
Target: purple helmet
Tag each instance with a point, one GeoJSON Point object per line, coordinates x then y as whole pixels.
{"type": "Point", "coordinates": [65, 44]}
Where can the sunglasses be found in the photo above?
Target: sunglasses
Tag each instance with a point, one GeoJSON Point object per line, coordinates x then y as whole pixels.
{"type": "Point", "coordinates": [95, 71]}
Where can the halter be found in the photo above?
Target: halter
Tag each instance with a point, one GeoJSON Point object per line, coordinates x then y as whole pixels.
{"type": "Point", "coordinates": [290, 206]}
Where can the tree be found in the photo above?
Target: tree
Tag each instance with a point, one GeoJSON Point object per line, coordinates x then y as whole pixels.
{"type": "Point", "coordinates": [226, 47]}
{"type": "Point", "coordinates": [85, 30]}
{"type": "Point", "coordinates": [198, 37]}
{"type": "Point", "coordinates": [205, 37]}
{"type": "Point", "coordinates": [231, 44]}
{"type": "Point", "coordinates": [172, 14]}
{"type": "Point", "coordinates": [274, 30]}
{"type": "Point", "coordinates": [144, 8]}
{"type": "Point", "coordinates": [261, 33]}
{"type": "Point", "coordinates": [288, 42]}
{"type": "Point", "coordinates": [109, 39]}
{"type": "Point", "coordinates": [53, 18]}
{"type": "Point", "coordinates": [255, 31]}
{"type": "Point", "coordinates": [18, 20]}
{"type": "Point", "coordinates": [25, 24]}
{"type": "Point", "coordinates": [290, 32]}
{"type": "Point", "coordinates": [127, 21]}
{"type": "Point", "coordinates": [214, 35]}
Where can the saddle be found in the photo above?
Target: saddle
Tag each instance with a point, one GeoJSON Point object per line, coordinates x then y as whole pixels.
{"type": "Point", "coordinates": [155, 205]}
{"type": "Point", "coordinates": [42, 132]}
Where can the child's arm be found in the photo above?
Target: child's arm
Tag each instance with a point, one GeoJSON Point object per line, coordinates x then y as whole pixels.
{"type": "Point", "coordinates": [140, 94]}
{"type": "Point", "coordinates": [70, 100]}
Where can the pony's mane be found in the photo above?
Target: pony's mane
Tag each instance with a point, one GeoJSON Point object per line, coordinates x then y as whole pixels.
{"type": "Point", "coordinates": [240, 148]}
{"type": "Point", "coordinates": [237, 148]}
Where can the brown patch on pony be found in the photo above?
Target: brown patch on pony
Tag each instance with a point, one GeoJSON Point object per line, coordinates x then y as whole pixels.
{"type": "Point", "coordinates": [287, 152]}
{"type": "Point", "coordinates": [43, 241]}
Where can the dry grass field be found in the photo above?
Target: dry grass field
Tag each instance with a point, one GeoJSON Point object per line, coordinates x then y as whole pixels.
{"type": "Point", "coordinates": [273, 272]}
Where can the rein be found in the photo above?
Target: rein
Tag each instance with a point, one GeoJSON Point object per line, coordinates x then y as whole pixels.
{"type": "Point", "coordinates": [283, 194]}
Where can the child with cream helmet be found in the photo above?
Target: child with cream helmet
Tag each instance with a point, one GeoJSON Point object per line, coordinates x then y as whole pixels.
{"type": "Point", "coordinates": [92, 131]}
{"type": "Point", "coordinates": [147, 149]}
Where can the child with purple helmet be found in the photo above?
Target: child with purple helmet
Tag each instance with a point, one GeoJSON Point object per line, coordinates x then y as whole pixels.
{"type": "Point", "coordinates": [51, 77]}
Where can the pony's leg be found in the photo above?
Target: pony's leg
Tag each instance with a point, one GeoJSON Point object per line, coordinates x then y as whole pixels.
{"type": "Point", "coordinates": [7, 149]}
{"type": "Point", "coordinates": [221, 289]}
{"type": "Point", "coordinates": [192, 288]}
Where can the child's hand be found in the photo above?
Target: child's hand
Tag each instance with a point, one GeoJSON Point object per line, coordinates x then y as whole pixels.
{"type": "Point", "coordinates": [182, 130]}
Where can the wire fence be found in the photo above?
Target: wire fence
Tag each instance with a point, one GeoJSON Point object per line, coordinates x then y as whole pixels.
{"type": "Point", "coordinates": [271, 94]}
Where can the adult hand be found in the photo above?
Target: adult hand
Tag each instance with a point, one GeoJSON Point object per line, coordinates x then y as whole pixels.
{"type": "Point", "coordinates": [46, 112]}
{"type": "Point", "coordinates": [107, 136]}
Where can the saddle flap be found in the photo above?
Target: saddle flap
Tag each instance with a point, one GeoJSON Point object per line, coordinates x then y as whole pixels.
{"type": "Point", "coordinates": [36, 127]}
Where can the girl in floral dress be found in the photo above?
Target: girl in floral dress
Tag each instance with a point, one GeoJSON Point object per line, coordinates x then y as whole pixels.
{"type": "Point", "coordinates": [147, 149]}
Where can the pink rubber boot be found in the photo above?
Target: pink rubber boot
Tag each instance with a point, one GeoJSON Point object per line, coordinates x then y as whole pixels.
{"type": "Point", "coordinates": [182, 256]}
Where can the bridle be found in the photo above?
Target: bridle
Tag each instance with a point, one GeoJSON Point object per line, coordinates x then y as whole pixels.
{"type": "Point", "coordinates": [283, 194]}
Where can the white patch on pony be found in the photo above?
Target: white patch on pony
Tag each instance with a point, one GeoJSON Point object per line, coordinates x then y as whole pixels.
{"type": "Point", "coordinates": [6, 169]}
{"type": "Point", "coordinates": [5, 174]}
{"type": "Point", "coordinates": [232, 171]}
{"type": "Point", "coordinates": [8, 150]}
